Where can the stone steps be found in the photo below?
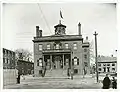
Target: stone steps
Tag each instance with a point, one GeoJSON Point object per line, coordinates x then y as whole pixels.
{"type": "Point", "coordinates": [56, 73]}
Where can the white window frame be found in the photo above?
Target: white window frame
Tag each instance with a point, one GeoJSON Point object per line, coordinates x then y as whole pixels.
{"type": "Point", "coordinates": [40, 47]}
{"type": "Point", "coordinates": [75, 61]}
{"type": "Point", "coordinates": [48, 46]}
{"type": "Point", "coordinates": [40, 62]}
{"type": "Point", "coordinates": [75, 46]}
{"type": "Point", "coordinates": [57, 46]}
{"type": "Point", "coordinates": [66, 45]}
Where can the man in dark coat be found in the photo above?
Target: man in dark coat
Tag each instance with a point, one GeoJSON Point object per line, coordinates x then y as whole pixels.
{"type": "Point", "coordinates": [68, 72]}
{"type": "Point", "coordinates": [18, 78]}
{"type": "Point", "coordinates": [114, 83]}
{"type": "Point", "coordinates": [106, 82]}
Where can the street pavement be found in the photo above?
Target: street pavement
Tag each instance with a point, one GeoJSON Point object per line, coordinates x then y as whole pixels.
{"type": "Point", "coordinates": [29, 82]}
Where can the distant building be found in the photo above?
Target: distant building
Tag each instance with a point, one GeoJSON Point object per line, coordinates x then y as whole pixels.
{"type": "Point", "coordinates": [61, 52]}
{"type": "Point", "coordinates": [9, 67]}
{"type": "Point", "coordinates": [25, 67]}
{"type": "Point", "coordinates": [107, 64]}
{"type": "Point", "coordinates": [8, 59]}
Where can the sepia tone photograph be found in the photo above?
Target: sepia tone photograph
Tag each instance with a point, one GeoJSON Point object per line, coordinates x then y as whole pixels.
{"type": "Point", "coordinates": [59, 45]}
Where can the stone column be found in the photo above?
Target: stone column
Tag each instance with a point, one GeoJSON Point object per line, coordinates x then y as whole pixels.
{"type": "Point", "coordinates": [51, 62]}
{"type": "Point", "coordinates": [43, 63]}
{"type": "Point", "coordinates": [63, 61]}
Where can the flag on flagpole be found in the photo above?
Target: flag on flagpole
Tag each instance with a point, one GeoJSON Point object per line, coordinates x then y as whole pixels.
{"type": "Point", "coordinates": [61, 14]}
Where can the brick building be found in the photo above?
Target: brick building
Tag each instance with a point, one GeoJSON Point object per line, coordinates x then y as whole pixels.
{"type": "Point", "coordinates": [107, 64]}
{"type": "Point", "coordinates": [60, 52]}
{"type": "Point", "coordinates": [8, 59]}
{"type": "Point", "coordinates": [9, 67]}
{"type": "Point", "coordinates": [25, 67]}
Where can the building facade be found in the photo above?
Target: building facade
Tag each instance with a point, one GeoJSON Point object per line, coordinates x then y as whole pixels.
{"type": "Point", "coordinates": [107, 64]}
{"type": "Point", "coordinates": [61, 52]}
{"type": "Point", "coordinates": [9, 67]}
{"type": "Point", "coordinates": [25, 67]}
{"type": "Point", "coordinates": [8, 59]}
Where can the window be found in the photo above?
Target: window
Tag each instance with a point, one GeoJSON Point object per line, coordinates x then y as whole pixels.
{"type": "Point", "coordinates": [3, 60]}
{"type": "Point", "coordinates": [104, 69]}
{"type": "Point", "coordinates": [104, 64]}
{"type": "Point", "coordinates": [99, 69]}
{"type": "Point", "coordinates": [40, 72]}
{"type": "Point", "coordinates": [113, 64]}
{"type": "Point", "coordinates": [48, 46]}
{"type": "Point", "coordinates": [113, 69]}
{"type": "Point", "coordinates": [85, 50]}
{"type": "Point", "coordinates": [57, 46]}
{"type": "Point", "coordinates": [85, 64]}
{"type": "Point", "coordinates": [108, 69]}
{"type": "Point", "coordinates": [75, 71]}
{"type": "Point", "coordinates": [75, 61]}
{"type": "Point", "coordinates": [75, 46]}
{"type": "Point", "coordinates": [99, 64]}
{"type": "Point", "coordinates": [108, 64]}
{"type": "Point", "coordinates": [85, 56]}
{"type": "Point", "coordinates": [40, 46]}
{"type": "Point", "coordinates": [40, 62]}
{"type": "Point", "coordinates": [66, 45]}
{"type": "Point", "coordinates": [7, 61]}
{"type": "Point", "coordinates": [37, 62]}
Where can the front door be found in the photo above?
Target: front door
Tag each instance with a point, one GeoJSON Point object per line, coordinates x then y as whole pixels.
{"type": "Point", "coordinates": [57, 62]}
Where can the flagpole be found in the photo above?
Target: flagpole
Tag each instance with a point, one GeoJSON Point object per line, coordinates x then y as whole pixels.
{"type": "Point", "coordinates": [61, 17]}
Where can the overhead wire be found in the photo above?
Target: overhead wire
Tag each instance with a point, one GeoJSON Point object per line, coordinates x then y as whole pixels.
{"type": "Point", "coordinates": [44, 18]}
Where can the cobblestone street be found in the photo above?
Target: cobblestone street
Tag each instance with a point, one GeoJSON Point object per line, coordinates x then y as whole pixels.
{"type": "Point", "coordinates": [56, 83]}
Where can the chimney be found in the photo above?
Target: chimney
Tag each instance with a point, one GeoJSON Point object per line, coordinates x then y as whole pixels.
{"type": "Point", "coordinates": [37, 31]}
{"type": "Point", "coordinates": [40, 31]}
{"type": "Point", "coordinates": [79, 28]}
{"type": "Point", "coordinates": [86, 38]}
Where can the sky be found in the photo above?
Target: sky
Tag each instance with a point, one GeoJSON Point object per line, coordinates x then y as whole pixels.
{"type": "Point", "coordinates": [20, 21]}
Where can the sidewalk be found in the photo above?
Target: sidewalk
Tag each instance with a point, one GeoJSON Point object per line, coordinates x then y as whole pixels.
{"type": "Point", "coordinates": [57, 83]}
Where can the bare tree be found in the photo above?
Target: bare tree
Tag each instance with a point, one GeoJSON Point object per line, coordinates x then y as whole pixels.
{"type": "Point", "coordinates": [23, 54]}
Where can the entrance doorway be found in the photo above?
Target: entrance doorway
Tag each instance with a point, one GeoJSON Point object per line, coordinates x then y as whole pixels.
{"type": "Point", "coordinates": [57, 62]}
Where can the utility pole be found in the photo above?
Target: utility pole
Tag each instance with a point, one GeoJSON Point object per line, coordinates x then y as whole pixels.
{"type": "Point", "coordinates": [96, 55]}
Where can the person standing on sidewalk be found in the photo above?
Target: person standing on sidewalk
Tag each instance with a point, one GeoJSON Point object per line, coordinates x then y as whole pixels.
{"type": "Point", "coordinates": [68, 73]}
{"type": "Point", "coordinates": [106, 82]}
{"type": "Point", "coordinates": [114, 83]}
{"type": "Point", "coordinates": [18, 78]}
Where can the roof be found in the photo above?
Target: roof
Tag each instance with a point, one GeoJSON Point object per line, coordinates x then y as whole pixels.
{"type": "Point", "coordinates": [60, 25]}
{"type": "Point", "coordinates": [107, 59]}
{"type": "Point", "coordinates": [58, 38]}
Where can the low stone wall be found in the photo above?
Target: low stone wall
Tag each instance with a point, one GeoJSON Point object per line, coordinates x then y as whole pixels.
{"type": "Point", "coordinates": [9, 76]}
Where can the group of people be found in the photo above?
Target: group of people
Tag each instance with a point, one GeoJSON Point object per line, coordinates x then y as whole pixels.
{"type": "Point", "coordinates": [107, 83]}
